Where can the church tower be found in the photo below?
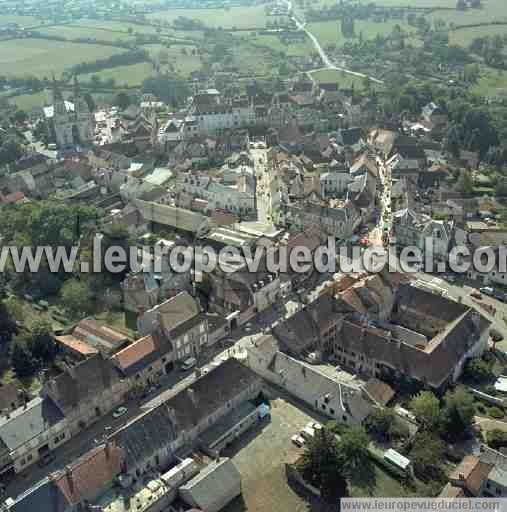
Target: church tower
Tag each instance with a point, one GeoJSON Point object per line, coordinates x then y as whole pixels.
{"type": "Point", "coordinates": [62, 122]}
{"type": "Point", "coordinates": [83, 118]}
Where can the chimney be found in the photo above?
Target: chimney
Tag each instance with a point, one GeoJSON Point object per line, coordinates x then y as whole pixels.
{"type": "Point", "coordinates": [68, 474]}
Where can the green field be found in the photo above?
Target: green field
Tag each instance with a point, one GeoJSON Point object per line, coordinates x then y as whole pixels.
{"type": "Point", "coordinates": [182, 64]}
{"type": "Point", "coordinates": [418, 3]}
{"type": "Point", "coordinates": [22, 21]}
{"type": "Point", "coordinates": [300, 48]}
{"type": "Point", "coordinates": [41, 57]}
{"type": "Point", "coordinates": [75, 31]}
{"type": "Point", "coordinates": [492, 10]}
{"type": "Point", "coordinates": [493, 82]}
{"type": "Point", "coordinates": [240, 17]}
{"type": "Point", "coordinates": [344, 80]}
{"type": "Point", "coordinates": [329, 32]}
{"type": "Point", "coordinates": [129, 76]}
{"type": "Point", "coordinates": [33, 101]}
{"type": "Point", "coordinates": [464, 36]}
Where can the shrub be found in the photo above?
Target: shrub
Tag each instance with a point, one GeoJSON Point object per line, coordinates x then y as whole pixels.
{"type": "Point", "coordinates": [496, 412]}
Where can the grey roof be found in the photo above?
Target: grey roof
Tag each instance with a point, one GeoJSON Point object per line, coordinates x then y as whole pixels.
{"type": "Point", "coordinates": [147, 434]}
{"type": "Point", "coordinates": [44, 496]}
{"type": "Point", "coordinates": [498, 474]}
{"type": "Point", "coordinates": [214, 485]}
{"type": "Point", "coordinates": [27, 423]}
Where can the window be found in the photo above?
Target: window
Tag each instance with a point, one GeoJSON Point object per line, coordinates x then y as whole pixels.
{"type": "Point", "coordinates": [331, 411]}
{"type": "Point", "coordinates": [344, 417]}
{"type": "Point", "coordinates": [323, 407]}
{"type": "Point", "coordinates": [164, 359]}
{"type": "Point", "coordinates": [29, 457]}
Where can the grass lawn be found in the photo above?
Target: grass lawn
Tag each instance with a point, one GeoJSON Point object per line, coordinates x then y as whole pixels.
{"type": "Point", "coordinates": [300, 48]}
{"type": "Point", "coordinates": [183, 64]}
{"type": "Point", "coordinates": [344, 80]}
{"type": "Point", "coordinates": [128, 76]}
{"type": "Point", "coordinates": [418, 3]}
{"type": "Point", "coordinates": [31, 101]}
{"type": "Point", "coordinates": [22, 21]}
{"type": "Point", "coordinates": [38, 100]}
{"type": "Point", "coordinates": [386, 486]}
{"type": "Point", "coordinates": [492, 10]}
{"type": "Point", "coordinates": [76, 31]}
{"type": "Point", "coordinates": [464, 36]}
{"type": "Point", "coordinates": [240, 17]}
{"type": "Point", "coordinates": [41, 57]}
{"type": "Point", "coordinates": [493, 82]}
{"type": "Point", "coordinates": [329, 32]}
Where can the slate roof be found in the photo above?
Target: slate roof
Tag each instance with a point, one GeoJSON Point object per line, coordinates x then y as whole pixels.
{"type": "Point", "coordinates": [159, 426]}
{"type": "Point", "coordinates": [302, 330]}
{"type": "Point", "coordinates": [44, 496]}
{"type": "Point", "coordinates": [209, 393]}
{"type": "Point", "coordinates": [147, 434]}
{"type": "Point", "coordinates": [25, 424]}
{"type": "Point", "coordinates": [216, 483]}
{"type": "Point", "coordinates": [89, 378]}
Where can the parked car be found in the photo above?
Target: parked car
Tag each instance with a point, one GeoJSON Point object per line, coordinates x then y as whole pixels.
{"type": "Point", "coordinates": [487, 290]}
{"type": "Point", "coordinates": [297, 440]}
{"type": "Point", "coordinates": [120, 412]}
{"type": "Point", "coordinates": [188, 364]}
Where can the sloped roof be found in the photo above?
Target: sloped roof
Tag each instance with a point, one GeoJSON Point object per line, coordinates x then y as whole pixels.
{"type": "Point", "coordinates": [215, 485]}
{"type": "Point", "coordinates": [141, 353]}
{"type": "Point", "coordinates": [379, 391]}
{"type": "Point", "coordinates": [75, 385]}
{"type": "Point", "coordinates": [90, 475]}
{"type": "Point", "coordinates": [26, 423]}
{"type": "Point", "coordinates": [44, 496]}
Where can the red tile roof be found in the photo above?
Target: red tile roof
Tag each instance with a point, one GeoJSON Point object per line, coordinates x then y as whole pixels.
{"type": "Point", "coordinates": [76, 345]}
{"type": "Point", "coordinates": [135, 352]}
{"type": "Point", "coordinates": [90, 475]}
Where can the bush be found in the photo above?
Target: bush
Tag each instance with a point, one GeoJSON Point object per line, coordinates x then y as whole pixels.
{"type": "Point", "coordinates": [481, 409]}
{"type": "Point", "coordinates": [496, 412]}
{"type": "Point", "coordinates": [497, 439]}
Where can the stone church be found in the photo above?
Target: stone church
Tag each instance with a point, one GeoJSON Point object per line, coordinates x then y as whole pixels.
{"type": "Point", "coordinates": [69, 123]}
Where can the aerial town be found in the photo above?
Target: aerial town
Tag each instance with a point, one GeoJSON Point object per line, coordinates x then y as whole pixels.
{"type": "Point", "coordinates": [253, 136]}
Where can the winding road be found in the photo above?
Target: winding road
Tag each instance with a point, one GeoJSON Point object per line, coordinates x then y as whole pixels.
{"type": "Point", "coordinates": [323, 55]}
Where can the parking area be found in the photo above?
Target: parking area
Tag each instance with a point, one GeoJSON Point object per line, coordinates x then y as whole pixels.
{"type": "Point", "coordinates": [260, 455]}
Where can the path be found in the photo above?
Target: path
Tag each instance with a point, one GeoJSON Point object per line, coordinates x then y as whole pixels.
{"type": "Point", "coordinates": [323, 55]}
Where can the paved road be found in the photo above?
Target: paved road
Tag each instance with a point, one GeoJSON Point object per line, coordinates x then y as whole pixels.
{"type": "Point", "coordinates": [323, 55]}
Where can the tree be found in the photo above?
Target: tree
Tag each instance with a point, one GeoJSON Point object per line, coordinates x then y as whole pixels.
{"type": "Point", "coordinates": [354, 456]}
{"type": "Point", "coordinates": [426, 409]}
{"type": "Point", "coordinates": [426, 453]}
{"type": "Point", "coordinates": [8, 326]}
{"type": "Point", "coordinates": [76, 297]}
{"type": "Point", "coordinates": [122, 100]}
{"type": "Point", "coordinates": [458, 413]}
{"type": "Point", "coordinates": [22, 360]}
{"type": "Point", "coordinates": [497, 439]}
{"type": "Point", "coordinates": [465, 184]}
{"type": "Point", "coordinates": [383, 425]}
{"type": "Point", "coordinates": [320, 466]}
{"type": "Point", "coordinates": [42, 345]}
{"type": "Point", "coordinates": [478, 370]}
